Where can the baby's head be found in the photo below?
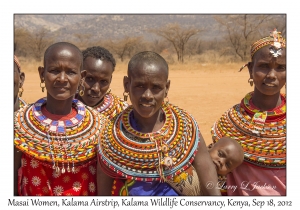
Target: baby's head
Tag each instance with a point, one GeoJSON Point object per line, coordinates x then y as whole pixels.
{"type": "Point", "coordinates": [226, 154]}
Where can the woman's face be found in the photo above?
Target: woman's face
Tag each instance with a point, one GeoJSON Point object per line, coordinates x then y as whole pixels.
{"type": "Point", "coordinates": [147, 85]}
{"type": "Point", "coordinates": [97, 80]}
{"type": "Point", "coordinates": [268, 72]}
{"type": "Point", "coordinates": [61, 72]}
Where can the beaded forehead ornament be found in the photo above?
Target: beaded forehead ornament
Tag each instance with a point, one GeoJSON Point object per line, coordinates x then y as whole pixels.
{"type": "Point", "coordinates": [276, 41]}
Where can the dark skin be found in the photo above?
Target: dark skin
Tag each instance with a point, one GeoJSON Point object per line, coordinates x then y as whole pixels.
{"type": "Point", "coordinates": [97, 80]}
{"type": "Point", "coordinates": [269, 76]}
{"type": "Point", "coordinates": [62, 75]}
{"type": "Point", "coordinates": [147, 89]}
{"type": "Point", "coordinates": [226, 154]}
{"type": "Point", "coordinates": [19, 78]}
{"type": "Point", "coordinates": [148, 85]}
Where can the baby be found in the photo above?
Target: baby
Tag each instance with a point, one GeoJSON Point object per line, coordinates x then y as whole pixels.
{"type": "Point", "coordinates": [226, 154]}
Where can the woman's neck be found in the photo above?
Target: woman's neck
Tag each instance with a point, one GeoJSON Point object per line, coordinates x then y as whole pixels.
{"type": "Point", "coordinates": [151, 124]}
{"type": "Point", "coordinates": [265, 102]}
{"type": "Point", "coordinates": [59, 107]}
{"type": "Point", "coordinates": [17, 104]}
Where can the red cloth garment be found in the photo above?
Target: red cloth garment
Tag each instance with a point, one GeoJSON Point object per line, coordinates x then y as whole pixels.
{"type": "Point", "coordinates": [39, 179]}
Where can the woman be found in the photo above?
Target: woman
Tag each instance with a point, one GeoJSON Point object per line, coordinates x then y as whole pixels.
{"type": "Point", "coordinates": [19, 78]}
{"type": "Point", "coordinates": [258, 123]}
{"type": "Point", "coordinates": [153, 147]}
{"type": "Point", "coordinates": [99, 65]}
{"type": "Point", "coordinates": [55, 138]}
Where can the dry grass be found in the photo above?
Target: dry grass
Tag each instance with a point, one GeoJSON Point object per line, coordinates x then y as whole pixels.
{"type": "Point", "coordinates": [206, 90]}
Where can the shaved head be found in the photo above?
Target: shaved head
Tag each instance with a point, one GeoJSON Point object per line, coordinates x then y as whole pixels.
{"type": "Point", "coordinates": [60, 45]}
{"type": "Point", "coordinates": [149, 58]}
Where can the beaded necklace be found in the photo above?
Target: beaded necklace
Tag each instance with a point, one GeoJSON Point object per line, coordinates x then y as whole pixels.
{"type": "Point", "coordinates": [111, 105]}
{"type": "Point", "coordinates": [58, 142]}
{"type": "Point", "coordinates": [263, 141]}
{"type": "Point", "coordinates": [125, 152]}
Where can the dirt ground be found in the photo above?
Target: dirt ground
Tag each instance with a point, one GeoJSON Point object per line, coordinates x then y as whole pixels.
{"type": "Point", "coordinates": [206, 93]}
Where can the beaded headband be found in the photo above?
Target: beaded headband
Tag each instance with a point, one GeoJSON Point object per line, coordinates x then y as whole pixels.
{"type": "Point", "coordinates": [16, 60]}
{"type": "Point", "coordinates": [276, 41]}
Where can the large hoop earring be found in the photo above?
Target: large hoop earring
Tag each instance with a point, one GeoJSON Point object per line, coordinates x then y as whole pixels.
{"type": "Point", "coordinates": [43, 87]}
{"type": "Point", "coordinates": [250, 81]}
{"type": "Point", "coordinates": [125, 94]}
{"type": "Point", "coordinates": [21, 91]}
{"type": "Point", "coordinates": [81, 92]}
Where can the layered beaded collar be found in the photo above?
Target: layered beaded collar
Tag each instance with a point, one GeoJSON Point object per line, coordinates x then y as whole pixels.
{"type": "Point", "coordinates": [263, 140]}
{"type": "Point", "coordinates": [248, 105]}
{"type": "Point", "coordinates": [160, 155]}
{"type": "Point", "coordinates": [60, 142]}
{"type": "Point", "coordinates": [22, 102]}
{"type": "Point", "coordinates": [110, 105]}
{"type": "Point", "coordinates": [58, 126]}
{"type": "Point", "coordinates": [127, 120]}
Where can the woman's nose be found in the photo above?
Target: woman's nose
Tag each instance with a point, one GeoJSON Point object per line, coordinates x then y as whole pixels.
{"type": "Point", "coordinates": [96, 87]}
{"type": "Point", "coordinates": [62, 76]}
{"type": "Point", "coordinates": [148, 94]}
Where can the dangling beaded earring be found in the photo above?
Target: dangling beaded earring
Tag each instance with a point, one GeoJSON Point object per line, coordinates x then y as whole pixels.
{"type": "Point", "coordinates": [167, 101]}
{"type": "Point", "coordinates": [81, 92]}
{"type": "Point", "coordinates": [250, 81]}
{"type": "Point", "coordinates": [108, 91]}
{"type": "Point", "coordinates": [21, 90]}
{"type": "Point", "coordinates": [125, 94]}
{"type": "Point", "coordinates": [43, 87]}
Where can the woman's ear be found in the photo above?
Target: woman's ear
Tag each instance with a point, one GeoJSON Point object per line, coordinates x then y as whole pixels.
{"type": "Point", "coordinates": [126, 83]}
{"type": "Point", "coordinates": [167, 87]}
{"type": "Point", "coordinates": [22, 79]}
{"type": "Point", "coordinates": [250, 67]}
{"type": "Point", "coordinates": [41, 73]}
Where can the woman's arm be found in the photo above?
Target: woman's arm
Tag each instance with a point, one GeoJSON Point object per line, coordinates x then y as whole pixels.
{"type": "Point", "coordinates": [104, 182]}
{"type": "Point", "coordinates": [17, 165]}
{"type": "Point", "coordinates": [206, 170]}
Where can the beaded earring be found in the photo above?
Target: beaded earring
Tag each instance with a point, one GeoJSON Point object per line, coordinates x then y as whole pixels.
{"type": "Point", "coordinates": [125, 94]}
{"type": "Point", "coordinates": [21, 90]}
{"type": "Point", "coordinates": [250, 81]}
{"type": "Point", "coordinates": [43, 87]}
{"type": "Point", "coordinates": [108, 91]}
{"type": "Point", "coordinates": [167, 101]}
